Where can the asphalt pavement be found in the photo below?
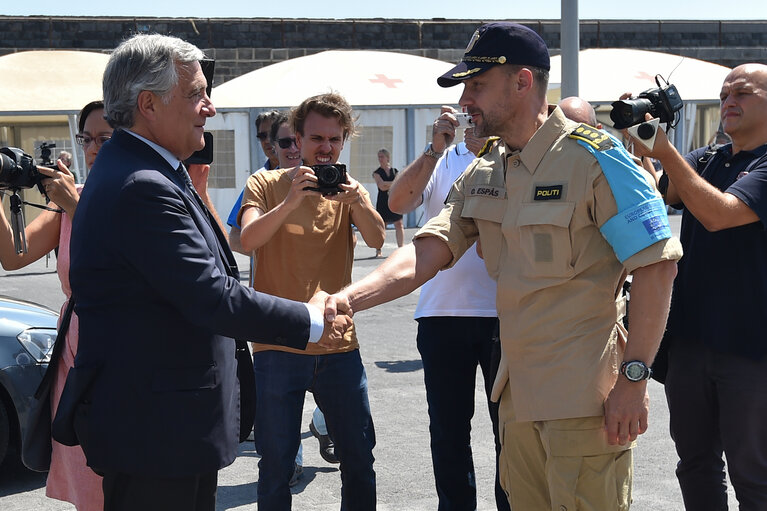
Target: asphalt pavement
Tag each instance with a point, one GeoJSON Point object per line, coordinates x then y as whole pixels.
{"type": "Point", "coordinates": [398, 403]}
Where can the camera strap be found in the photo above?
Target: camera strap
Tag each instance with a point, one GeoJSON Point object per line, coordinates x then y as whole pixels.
{"type": "Point", "coordinates": [40, 206]}
{"type": "Point", "coordinates": [710, 151]}
{"type": "Point", "coordinates": [46, 208]}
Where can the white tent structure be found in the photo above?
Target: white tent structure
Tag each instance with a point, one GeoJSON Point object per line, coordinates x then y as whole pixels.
{"type": "Point", "coordinates": [395, 95]}
{"type": "Point", "coordinates": [607, 73]}
{"type": "Point", "coordinates": [41, 93]}
{"type": "Point", "coordinates": [364, 78]}
{"type": "Point", "coordinates": [42, 89]}
{"type": "Point", "coordinates": [50, 82]}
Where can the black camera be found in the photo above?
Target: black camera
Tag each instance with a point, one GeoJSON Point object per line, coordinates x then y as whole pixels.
{"type": "Point", "coordinates": [663, 102]}
{"type": "Point", "coordinates": [45, 155]}
{"type": "Point", "coordinates": [18, 170]}
{"type": "Point", "coordinates": [328, 178]}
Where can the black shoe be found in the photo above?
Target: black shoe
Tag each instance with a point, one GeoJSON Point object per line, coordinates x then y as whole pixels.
{"type": "Point", "coordinates": [327, 447]}
{"type": "Point", "coordinates": [298, 473]}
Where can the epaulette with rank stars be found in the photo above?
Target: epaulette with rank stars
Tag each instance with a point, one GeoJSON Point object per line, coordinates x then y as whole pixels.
{"type": "Point", "coordinates": [488, 145]}
{"type": "Point", "coordinates": [596, 138]}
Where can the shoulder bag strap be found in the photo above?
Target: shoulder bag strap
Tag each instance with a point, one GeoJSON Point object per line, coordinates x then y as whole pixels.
{"type": "Point", "coordinates": [53, 364]}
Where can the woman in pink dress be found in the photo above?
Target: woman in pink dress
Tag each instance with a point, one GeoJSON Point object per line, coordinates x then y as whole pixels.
{"type": "Point", "coordinates": [69, 478]}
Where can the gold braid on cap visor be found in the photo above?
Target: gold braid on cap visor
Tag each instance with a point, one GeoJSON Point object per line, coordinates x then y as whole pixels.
{"type": "Point", "coordinates": [487, 60]}
{"type": "Point", "coordinates": [466, 73]}
{"type": "Point", "coordinates": [484, 60]}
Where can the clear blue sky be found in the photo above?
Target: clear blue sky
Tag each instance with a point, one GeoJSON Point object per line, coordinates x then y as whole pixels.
{"type": "Point", "coordinates": [419, 9]}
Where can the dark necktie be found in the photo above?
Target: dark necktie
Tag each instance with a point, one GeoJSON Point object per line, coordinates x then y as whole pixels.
{"type": "Point", "coordinates": [190, 190]}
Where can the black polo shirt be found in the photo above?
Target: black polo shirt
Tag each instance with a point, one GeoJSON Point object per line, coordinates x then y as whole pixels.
{"type": "Point", "coordinates": [720, 292]}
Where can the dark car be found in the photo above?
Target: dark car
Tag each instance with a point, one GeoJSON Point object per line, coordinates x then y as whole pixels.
{"type": "Point", "coordinates": [27, 334]}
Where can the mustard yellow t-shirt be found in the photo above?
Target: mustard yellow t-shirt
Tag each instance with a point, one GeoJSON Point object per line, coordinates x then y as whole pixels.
{"type": "Point", "coordinates": [311, 251]}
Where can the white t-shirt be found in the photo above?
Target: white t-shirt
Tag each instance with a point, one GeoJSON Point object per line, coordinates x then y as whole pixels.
{"type": "Point", "coordinates": [465, 289]}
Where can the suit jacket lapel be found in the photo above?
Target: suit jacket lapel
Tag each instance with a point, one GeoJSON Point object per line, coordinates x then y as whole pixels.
{"type": "Point", "coordinates": [162, 166]}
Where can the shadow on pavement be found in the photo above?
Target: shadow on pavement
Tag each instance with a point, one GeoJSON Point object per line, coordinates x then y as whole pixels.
{"type": "Point", "coordinates": [400, 366]}
{"type": "Point", "coordinates": [230, 497]}
{"type": "Point", "coordinates": [310, 473]}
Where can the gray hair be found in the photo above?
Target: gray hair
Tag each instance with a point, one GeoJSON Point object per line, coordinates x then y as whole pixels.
{"type": "Point", "coordinates": [143, 62]}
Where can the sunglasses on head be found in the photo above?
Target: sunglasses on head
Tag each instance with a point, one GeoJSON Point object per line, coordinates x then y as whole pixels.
{"type": "Point", "coordinates": [286, 142]}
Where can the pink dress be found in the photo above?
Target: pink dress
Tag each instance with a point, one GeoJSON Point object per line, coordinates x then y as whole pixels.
{"type": "Point", "coordinates": [70, 479]}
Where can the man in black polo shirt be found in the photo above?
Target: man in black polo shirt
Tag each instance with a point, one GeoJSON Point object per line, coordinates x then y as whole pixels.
{"type": "Point", "coordinates": [716, 383]}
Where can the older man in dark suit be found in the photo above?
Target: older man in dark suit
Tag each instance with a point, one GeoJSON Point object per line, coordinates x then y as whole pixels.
{"type": "Point", "coordinates": [158, 296]}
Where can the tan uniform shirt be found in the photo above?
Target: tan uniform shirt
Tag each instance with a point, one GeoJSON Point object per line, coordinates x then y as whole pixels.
{"type": "Point", "coordinates": [538, 215]}
{"type": "Point", "coordinates": [311, 251]}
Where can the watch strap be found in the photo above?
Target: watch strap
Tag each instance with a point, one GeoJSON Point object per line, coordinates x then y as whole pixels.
{"type": "Point", "coordinates": [429, 151]}
{"type": "Point", "coordinates": [646, 370]}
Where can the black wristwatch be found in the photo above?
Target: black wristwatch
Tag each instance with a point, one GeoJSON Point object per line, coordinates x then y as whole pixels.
{"type": "Point", "coordinates": [635, 370]}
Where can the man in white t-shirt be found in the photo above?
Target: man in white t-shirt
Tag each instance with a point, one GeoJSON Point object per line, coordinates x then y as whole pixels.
{"type": "Point", "coordinates": [456, 330]}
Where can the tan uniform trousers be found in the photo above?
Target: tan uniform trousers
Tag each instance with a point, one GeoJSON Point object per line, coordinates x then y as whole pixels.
{"type": "Point", "coordinates": [562, 465]}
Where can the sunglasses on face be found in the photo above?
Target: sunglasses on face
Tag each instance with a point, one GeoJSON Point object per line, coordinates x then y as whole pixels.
{"type": "Point", "coordinates": [286, 142]}
{"type": "Point", "coordinates": [261, 135]}
{"type": "Point", "coordinates": [85, 140]}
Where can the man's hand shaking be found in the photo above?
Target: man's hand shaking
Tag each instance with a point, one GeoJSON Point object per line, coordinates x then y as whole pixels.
{"type": "Point", "coordinates": [336, 325]}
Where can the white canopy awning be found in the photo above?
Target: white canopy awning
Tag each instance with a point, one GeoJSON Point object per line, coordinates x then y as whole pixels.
{"type": "Point", "coordinates": [48, 82]}
{"type": "Point", "coordinates": [364, 78]}
{"type": "Point", "coordinates": [607, 73]}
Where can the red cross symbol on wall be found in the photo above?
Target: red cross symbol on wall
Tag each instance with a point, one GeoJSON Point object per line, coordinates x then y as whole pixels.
{"type": "Point", "coordinates": [642, 75]}
{"type": "Point", "coordinates": [390, 83]}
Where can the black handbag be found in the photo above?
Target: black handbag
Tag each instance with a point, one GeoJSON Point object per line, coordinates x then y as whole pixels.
{"type": "Point", "coordinates": [36, 443]}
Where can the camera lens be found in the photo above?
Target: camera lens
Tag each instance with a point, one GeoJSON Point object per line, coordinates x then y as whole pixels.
{"type": "Point", "coordinates": [329, 175]}
{"type": "Point", "coordinates": [629, 112]}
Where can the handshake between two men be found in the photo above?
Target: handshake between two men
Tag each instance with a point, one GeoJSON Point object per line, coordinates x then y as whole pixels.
{"type": "Point", "coordinates": [404, 271]}
{"type": "Point", "coordinates": [336, 325]}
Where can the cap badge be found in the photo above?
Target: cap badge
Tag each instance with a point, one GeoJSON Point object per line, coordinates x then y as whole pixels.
{"type": "Point", "coordinates": [472, 41]}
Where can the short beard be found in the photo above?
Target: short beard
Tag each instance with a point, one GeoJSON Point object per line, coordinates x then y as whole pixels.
{"type": "Point", "coordinates": [481, 131]}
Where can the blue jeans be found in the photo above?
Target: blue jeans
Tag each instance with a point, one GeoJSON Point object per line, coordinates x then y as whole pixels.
{"type": "Point", "coordinates": [339, 385]}
{"type": "Point", "coordinates": [451, 349]}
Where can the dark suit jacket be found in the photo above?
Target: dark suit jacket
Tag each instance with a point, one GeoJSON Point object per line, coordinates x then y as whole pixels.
{"type": "Point", "coordinates": [158, 313]}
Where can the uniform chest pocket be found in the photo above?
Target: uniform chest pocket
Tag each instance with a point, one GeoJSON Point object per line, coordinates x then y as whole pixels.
{"type": "Point", "coordinates": [544, 238]}
{"type": "Point", "coordinates": [487, 214]}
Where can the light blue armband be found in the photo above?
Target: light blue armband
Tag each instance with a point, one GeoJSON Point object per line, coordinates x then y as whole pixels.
{"type": "Point", "coordinates": [641, 220]}
{"type": "Point", "coordinates": [636, 228]}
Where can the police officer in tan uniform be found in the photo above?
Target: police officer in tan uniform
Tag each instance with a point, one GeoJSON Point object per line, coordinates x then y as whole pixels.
{"type": "Point", "coordinates": [563, 214]}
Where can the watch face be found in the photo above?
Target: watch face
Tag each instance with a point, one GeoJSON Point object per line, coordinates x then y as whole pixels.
{"type": "Point", "coordinates": [635, 371]}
